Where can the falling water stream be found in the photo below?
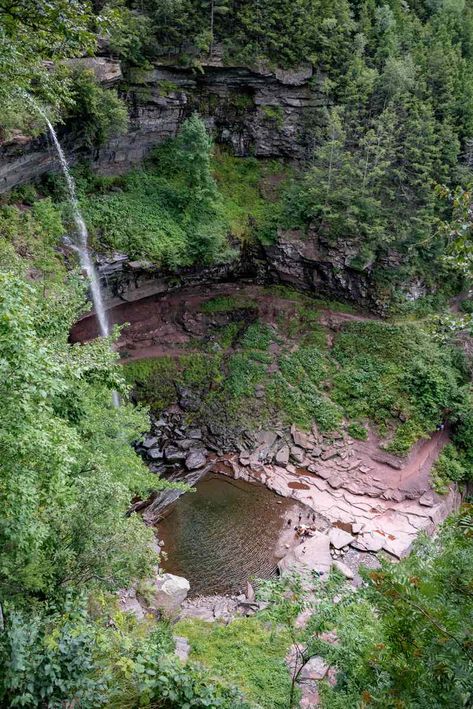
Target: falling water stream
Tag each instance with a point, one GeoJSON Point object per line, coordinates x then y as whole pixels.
{"type": "Point", "coordinates": [81, 246]}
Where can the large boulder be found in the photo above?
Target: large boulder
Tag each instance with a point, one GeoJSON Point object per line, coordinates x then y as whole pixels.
{"type": "Point", "coordinates": [171, 592]}
{"type": "Point", "coordinates": [312, 555]}
{"type": "Point", "coordinates": [339, 538]}
{"type": "Point", "coordinates": [195, 460]}
{"type": "Point", "coordinates": [106, 71]}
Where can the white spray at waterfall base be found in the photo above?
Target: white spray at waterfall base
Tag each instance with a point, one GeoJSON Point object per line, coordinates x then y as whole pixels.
{"type": "Point", "coordinates": [81, 245]}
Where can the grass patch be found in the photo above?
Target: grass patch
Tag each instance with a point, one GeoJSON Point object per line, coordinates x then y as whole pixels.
{"type": "Point", "coordinates": [225, 304]}
{"type": "Point", "coordinates": [258, 336]}
{"type": "Point", "coordinates": [245, 653]}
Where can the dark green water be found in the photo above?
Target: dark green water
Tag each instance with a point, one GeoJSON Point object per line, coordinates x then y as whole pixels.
{"type": "Point", "coordinates": [226, 533]}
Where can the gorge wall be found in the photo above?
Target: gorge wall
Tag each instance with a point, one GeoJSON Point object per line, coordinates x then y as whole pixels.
{"type": "Point", "coordinates": [253, 111]}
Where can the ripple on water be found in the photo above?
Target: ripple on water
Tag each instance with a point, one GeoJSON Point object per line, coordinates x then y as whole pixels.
{"type": "Point", "coordinates": [225, 533]}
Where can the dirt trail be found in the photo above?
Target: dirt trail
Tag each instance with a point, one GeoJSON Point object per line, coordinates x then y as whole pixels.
{"type": "Point", "coordinates": [155, 326]}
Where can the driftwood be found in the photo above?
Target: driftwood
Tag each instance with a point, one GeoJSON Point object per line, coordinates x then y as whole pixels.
{"type": "Point", "coordinates": [157, 504]}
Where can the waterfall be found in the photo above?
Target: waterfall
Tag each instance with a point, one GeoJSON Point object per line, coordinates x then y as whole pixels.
{"type": "Point", "coordinates": [81, 246]}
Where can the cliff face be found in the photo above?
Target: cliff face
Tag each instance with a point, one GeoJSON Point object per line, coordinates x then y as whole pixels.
{"type": "Point", "coordinates": [252, 111]}
{"type": "Point", "coordinates": [303, 261]}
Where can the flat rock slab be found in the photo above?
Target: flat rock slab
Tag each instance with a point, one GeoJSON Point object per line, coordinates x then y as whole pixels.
{"type": "Point", "coordinates": [339, 538]}
{"type": "Point", "coordinates": [312, 555]}
{"type": "Point", "coordinates": [369, 541]}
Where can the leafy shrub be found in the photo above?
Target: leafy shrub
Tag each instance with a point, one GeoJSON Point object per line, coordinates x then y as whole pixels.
{"type": "Point", "coordinates": [155, 380]}
{"type": "Point", "coordinates": [450, 467]}
{"type": "Point", "coordinates": [358, 431]}
{"type": "Point", "coordinates": [34, 235]}
{"type": "Point", "coordinates": [467, 306]}
{"type": "Point", "coordinates": [405, 639]}
{"type": "Point", "coordinates": [392, 372]}
{"type": "Point", "coordinates": [102, 113]}
{"type": "Point", "coordinates": [62, 654]}
{"type": "Point", "coordinates": [50, 658]}
{"type": "Point", "coordinates": [170, 214]}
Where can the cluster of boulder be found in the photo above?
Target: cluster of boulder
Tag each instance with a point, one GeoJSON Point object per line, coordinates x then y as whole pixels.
{"type": "Point", "coordinates": [297, 449]}
{"type": "Point", "coordinates": [172, 443]}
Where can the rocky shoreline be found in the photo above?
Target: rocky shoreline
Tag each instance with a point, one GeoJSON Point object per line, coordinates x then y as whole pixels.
{"type": "Point", "coordinates": [377, 501]}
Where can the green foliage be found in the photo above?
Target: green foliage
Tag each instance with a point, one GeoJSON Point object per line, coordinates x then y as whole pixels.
{"type": "Point", "coordinates": [167, 87]}
{"type": "Point", "coordinates": [128, 32]}
{"type": "Point", "coordinates": [89, 653]}
{"type": "Point", "coordinates": [29, 237]}
{"type": "Point", "coordinates": [170, 214]}
{"type": "Point", "coordinates": [247, 654]}
{"type": "Point", "coordinates": [50, 657]}
{"type": "Point", "coordinates": [274, 114]}
{"type": "Point", "coordinates": [155, 380]}
{"type": "Point", "coordinates": [31, 34]}
{"type": "Point", "coordinates": [240, 182]}
{"type": "Point", "coordinates": [400, 377]}
{"type": "Point", "coordinates": [297, 389]}
{"type": "Point", "coordinates": [101, 112]}
{"type": "Point", "coordinates": [467, 306]}
{"type": "Point", "coordinates": [406, 639]}
{"type": "Point", "coordinates": [224, 303]}
{"type": "Point", "coordinates": [274, 32]}
{"type": "Point", "coordinates": [358, 431]}
{"type": "Point", "coordinates": [66, 452]}
{"type": "Point", "coordinates": [451, 466]}
{"type": "Point", "coordinates": [396, 375]}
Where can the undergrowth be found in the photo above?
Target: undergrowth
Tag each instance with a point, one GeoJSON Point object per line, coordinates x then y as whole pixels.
{"type": "Point", "coordinates": [399, 378]}
{"type": "Point", "coordinates": [247, 653]}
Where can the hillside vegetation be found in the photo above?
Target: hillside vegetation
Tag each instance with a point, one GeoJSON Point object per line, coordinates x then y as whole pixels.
{"type": "Point", "coordinates": [389, 172]}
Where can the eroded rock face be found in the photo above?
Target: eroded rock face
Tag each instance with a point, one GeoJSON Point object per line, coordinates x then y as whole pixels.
{"type": "Point", "coordinates": [254, 111]}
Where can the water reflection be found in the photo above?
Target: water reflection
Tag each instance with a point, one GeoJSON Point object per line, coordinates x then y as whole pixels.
{"type": "Point", "coordinates": [225, 533]}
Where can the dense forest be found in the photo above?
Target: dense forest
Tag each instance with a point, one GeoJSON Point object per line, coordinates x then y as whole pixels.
{"type": "Point", "coordinates": [388, 169]}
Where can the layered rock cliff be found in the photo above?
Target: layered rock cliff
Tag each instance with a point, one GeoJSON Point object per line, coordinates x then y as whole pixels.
{"type": "Point", "coordinates": [253, 111]}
